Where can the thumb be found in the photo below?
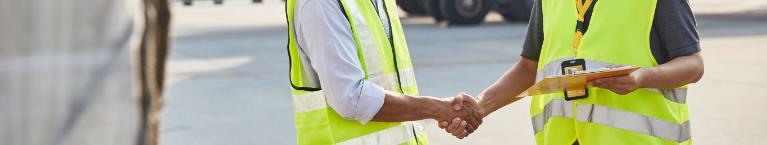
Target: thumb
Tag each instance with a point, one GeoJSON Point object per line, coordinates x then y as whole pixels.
{"type": "Point", "coordinates": [457, 102]}
{"type": "Point", "coordinates": [468, 98]}
{"type": "Point", "coordinates": [443, 124]}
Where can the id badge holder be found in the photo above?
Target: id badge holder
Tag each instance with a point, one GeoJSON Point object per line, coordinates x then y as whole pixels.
{"type": "Point", "coordinates": [571, 67]}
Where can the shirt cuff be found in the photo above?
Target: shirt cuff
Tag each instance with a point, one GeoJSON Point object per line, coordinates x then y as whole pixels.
{"type": "Point", "coordinates": [370, 101]}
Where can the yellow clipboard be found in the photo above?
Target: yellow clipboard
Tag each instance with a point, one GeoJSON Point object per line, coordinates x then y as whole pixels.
{"type": "Point", "coordinates": [578, 80]}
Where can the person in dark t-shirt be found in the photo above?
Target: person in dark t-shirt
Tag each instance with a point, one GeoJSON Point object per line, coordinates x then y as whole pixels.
{"type": "Point", "coordinates": [646, 106]}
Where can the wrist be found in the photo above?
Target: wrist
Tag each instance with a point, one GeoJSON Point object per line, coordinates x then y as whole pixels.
{"type": "Point", "coordinates": [430, 106]}
{"type": "Point", "coordinates": [487, 104]}
{"type": "Point", "coordinates": [640, 76]}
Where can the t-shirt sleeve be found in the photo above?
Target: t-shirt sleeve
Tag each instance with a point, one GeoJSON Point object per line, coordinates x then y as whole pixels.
{"type": "Point", "coordinates": [676, 28]}
{"type": "Point", "coordinates": [531, 47]}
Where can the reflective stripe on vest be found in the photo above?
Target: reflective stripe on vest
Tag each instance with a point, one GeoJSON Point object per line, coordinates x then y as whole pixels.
{"type": "Point", "coordinates": [389, 81]}
{"type": "Point", "coordinates": [390, 136]}
{"type": "Point", "coordinates": [316, 100]}
{"type": "Point", "coordinates": [555, 108]}
{"type": "Point", "coordinates": [613, 118]}
{"type": "Point", "coordinates": [407, 76]}
{"type": "Point", "coordinates": [374, 65]}
{"type": "Point", "coordinates": [633, 122]}
{"type": "Point", "coordinates": [618, 33]}
{"type": "Point", "coordinates": [309, 102]}
{"type": "Point", "coordinates": [553, 68]}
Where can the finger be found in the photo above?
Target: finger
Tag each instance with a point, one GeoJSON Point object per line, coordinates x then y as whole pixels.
{"type": "Point", "coordinates": [600, 82]}
{"type": "Point", "coordinates": [457, 103]}
{"type": "Point", "coordinates": [462, 127]}
{"type": "Point", "coordinates": [603, 86]}
{"type": "Point", "coordinates": [463, 124]}
{"type": "Point", "coordinates": [450, 126]}
{"type": "Point", "coordinates": [615, 79]}
{"type": "Point", "coordinates": [464, 134]}
{"type": "Point", "coordinates": [623, 91]}
{"type": "Point", "coordinates": [597, 83]}
{"type": "Point", "coordinates": [609, 82]}
{"type": "Point", "coordinates": [454, 125]}
{"type": "Point", "coordinates": [477, 117]}
{"type": "Point", "coordinates": [603, 80]}
{"type": "Point", "coordinates": [459, 129]}
{"type": "Point", "coordinates": [443, 124]}
{"type": "Point", "coordinates": [470, 128]}
{"type": "Point", "coordinates": [468, 98]}
{"type": "Point", "coordinates": [473, 120]}
{"type": "Point", "coordinates": [460, 134]}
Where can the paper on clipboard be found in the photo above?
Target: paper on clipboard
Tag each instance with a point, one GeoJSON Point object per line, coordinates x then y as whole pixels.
{"type": "Point", "coordinates": [579, 80]}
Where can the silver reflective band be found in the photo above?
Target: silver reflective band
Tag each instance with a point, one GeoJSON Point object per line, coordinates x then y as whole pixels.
{"type": "Point", "coordinates": [678, 95]}
{"type": "Point", "coordinates": [389, 81]}
{"type": "Point", "coordinates": [391, 136]}
{"type": "Point", "coordinates": [374, 64]}
{"type": "Point", "coordinates": [633, 122]}
{"type": "Point", "coordinates": [616, 118]}
{"type": "Point", "coordinates": [309, 101]}
{"type": "Point", "coordinates": [407, 76]}
{"type": "Point", "coordinates": [555, 108]}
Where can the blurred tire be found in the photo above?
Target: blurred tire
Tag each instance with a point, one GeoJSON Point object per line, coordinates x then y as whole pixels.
{"type": "Point", "coordinates": [187, 2]}
{"type": "Point", "coordinates": [257, 1]}
{"type": "Point", "coordinates": [412, 7]}
{"type": "Point", "coordinates": [515, 10]}
{"type": "Point", "coordinates": [433, 9]}
{"type": "Point", "coordinates": [465, 12]}
{"type": "Point", "coordinates": [218, 2]}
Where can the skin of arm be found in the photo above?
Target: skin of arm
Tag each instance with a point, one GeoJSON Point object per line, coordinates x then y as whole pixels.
{"type": "Point", "coordinates": [677, 72]}
{"type": "Point", "coordinates": [505, 90]}
{"type": "Point", "coordinates": [398, 107]}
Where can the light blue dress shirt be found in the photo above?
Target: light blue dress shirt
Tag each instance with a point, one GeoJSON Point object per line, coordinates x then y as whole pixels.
{"type": "Point", "coordinates": [327, 46]}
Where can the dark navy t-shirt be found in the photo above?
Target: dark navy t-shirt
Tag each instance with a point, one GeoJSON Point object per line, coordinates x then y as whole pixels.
{"type": "Point", "coordinates": [673, 31]}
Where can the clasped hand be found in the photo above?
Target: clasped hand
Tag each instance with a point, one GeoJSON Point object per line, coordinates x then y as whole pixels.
{"type": "Point", "coordinates": [465, 117]}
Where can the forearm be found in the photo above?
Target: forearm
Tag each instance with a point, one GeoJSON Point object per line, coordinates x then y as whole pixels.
{"type": "Point", "coordinates": [398, 107]}
{"type": "Point", "coordinates": [677, 72]}
{"type": "Point", "coordinates": [505, 91]}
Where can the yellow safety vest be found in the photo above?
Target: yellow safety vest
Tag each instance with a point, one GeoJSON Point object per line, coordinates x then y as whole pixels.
{"type": "Point", "coordinates": [386, 63]}
{"type": "Point", "coordinates": [618, 33]}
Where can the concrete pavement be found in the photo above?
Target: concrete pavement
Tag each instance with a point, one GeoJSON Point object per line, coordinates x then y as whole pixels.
{"type": "Point", "coordinates": [229, 82]}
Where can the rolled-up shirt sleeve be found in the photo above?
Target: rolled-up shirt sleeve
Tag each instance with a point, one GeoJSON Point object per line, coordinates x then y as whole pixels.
{"type": "Point", "coordinates": [324, 35]}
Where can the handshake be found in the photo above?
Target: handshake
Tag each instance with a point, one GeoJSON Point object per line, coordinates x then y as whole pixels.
{"type": "Point", "coordinates": [463, 118]}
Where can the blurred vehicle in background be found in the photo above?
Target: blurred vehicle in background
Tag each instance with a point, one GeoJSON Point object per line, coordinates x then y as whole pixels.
{"type": "Point", "coordinates": [455, 12]}
{"type": "Point", "coordinates": [468, 12]}
{"type": "Point", "coordinates": [217, 2]}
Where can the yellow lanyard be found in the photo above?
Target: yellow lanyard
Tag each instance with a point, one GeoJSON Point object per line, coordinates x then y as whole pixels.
{"type": "Point", "coordinates": [582, 8]}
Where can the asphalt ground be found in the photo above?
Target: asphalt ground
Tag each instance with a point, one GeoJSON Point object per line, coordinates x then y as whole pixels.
{"type": "Point", "coordinates": [229, 85]}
